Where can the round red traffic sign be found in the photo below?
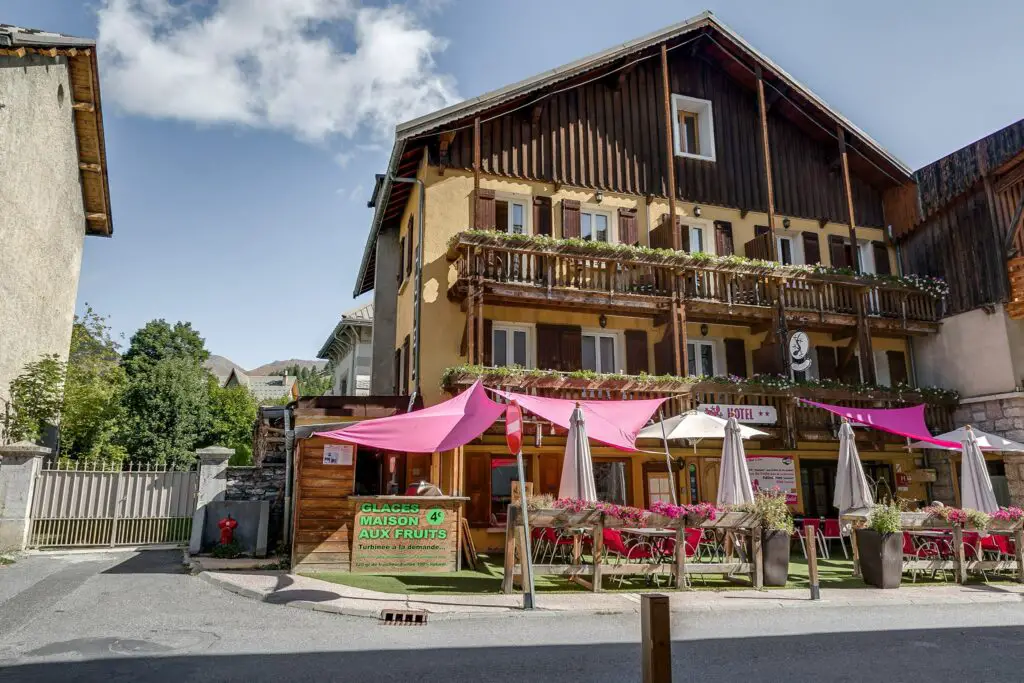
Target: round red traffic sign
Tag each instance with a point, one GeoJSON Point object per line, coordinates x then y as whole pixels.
{"type": "Point", "coordinates": [514, 427]}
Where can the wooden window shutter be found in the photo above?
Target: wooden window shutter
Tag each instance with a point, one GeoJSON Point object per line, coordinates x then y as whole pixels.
{"type": "Point", "coordinates": [401, 259]}
{"type": "Point", "coordinates": [409, 257]}
{"type": "Point", "coordinates": [664, 360]}
{"type": "Point", "coordinates": [478, 488]}
{"type": "Point", "coordinates": [396, 385]}
{"type": "Point", "coordinates": [812, 248]}
{"type": "Point", "coordinates": [484, 217]}
{"type": "Point", "coordinates": [826, 357]}
{"type": "Point", "coordinates": [723, 239]}
{"type": "Point", "coordinates": [570, 218]}
{"type": "Point", "coordinates": [542, 215]}
{"type": "Point", "coordinates": [548, 345]}
{"type": "Point", "coordinates": [405, 365]}
{"type": "Point", "coordinates": [851, 373]}
{"type": "Point", "coordinates": [761, 230]}
{"type": "Point", "coordinates": [736, 357]}
{"type": "Point", "coordinates": [628, 233]}
{"type": "Point", "coordinates": [684, 234]}
{"type": "Point", "coordinates": [837, 252]}
{"type": "Point", "coordinates": [636, 352]}
{"type": "Point", "coordinates": [549, 478]}
{"type": "Point", "coordinates": [767, 360]}
{"type": "Point", "coordinates": [571, 348]}
{"type": "Point", "coordinates": [882, 265]}
{"type": "Point", "coordinates": [488, 349]}
{"type": "Point", "coordinates": [897, 368]}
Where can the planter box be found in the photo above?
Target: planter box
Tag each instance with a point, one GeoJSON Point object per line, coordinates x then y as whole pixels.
{"type": "Point", "coordinates": [554, 517]}
{"type": "Point", "coordinates": [775, 551]}
{"type": "Point", "coordinates": [881, 558]}
{"type": "Point", "coordinates": [1004, 525]}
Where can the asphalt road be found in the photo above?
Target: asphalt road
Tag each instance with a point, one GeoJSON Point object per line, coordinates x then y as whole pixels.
{"type": "Point", "coordinates": [140, 618]}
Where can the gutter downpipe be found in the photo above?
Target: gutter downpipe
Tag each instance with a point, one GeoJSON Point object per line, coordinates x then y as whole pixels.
{"type": "Point", "coordinates": [418, 292]}
{"type": "Point", "coordinates": [289, 442]}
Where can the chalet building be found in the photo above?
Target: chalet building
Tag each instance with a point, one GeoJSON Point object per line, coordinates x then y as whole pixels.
{"type": "Point", "coordinates": [677, 217]}
{"type": "Point", "coordinates": [349, 348]}
{"type": "Point", "coordinates": [959, 219]}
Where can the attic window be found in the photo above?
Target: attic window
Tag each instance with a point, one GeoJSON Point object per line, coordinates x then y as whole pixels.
{"type": "Point", "coordinates": [693, 130]}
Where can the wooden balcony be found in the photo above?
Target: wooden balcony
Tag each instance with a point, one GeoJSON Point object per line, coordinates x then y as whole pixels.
{"type": "Point", "coordinates": [796, 421]}
{"type": "Point", "coordinates": [521, 272]}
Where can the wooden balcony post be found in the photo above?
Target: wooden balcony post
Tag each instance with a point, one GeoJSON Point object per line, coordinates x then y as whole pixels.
{"type": "Point", "coordinates": [677, 363]}
{"type": "Point", "coordinates": [867, 357]}
{"type": "Point", "coordinates": [781, 325]}
{"type": "Point", "coordinates": [670, 157]}
{"type": "Point", "coordinates": [767, 159]}
{"type": "Point", "coordinates": [471, 325]}
{"type": "Point", "coordinates": [684, 354]}
{"type": "Point", "coordinates": [848, 193]}
{"type": "Point", "coordinates": [479, 318]}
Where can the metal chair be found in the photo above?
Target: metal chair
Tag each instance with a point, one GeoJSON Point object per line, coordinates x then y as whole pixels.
{"type": "Point", "coordinates": [830, 531]}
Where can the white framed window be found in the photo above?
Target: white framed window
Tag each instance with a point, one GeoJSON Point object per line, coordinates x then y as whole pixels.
{"type": "Point", "coordinates": [659, 487]}
{"type": "Point", "coordinates": [866, 254]}
{"type": "Point", "coordinates": [602, 351]}
{"type": "Point", "coordinates": [595, 225]}
{"type": "Point", "coordinates": [701, 358]}
{"type": "Point", "coordinates": [512, 345]}
{"type": "Point", "coordinates": [511, 213]}
{"type": "Point", "coordinates": [693, 128]}
{"type": "Point", "coordinates": [702, 237]}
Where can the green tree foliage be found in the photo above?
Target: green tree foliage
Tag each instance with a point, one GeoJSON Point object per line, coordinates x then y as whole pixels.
{"type": "Point", "coordinates": [92, 392]}
{"type": "Point", "coordinates": [232, 416]}
{"type": "Point", "coordinates": [167, 410]}
{"type": "Point", "coordinates": [158, 340]}
{"type": "Point", "coordinates": [36, 397]}
{"type": "Point", "coordinates": [311, 381]}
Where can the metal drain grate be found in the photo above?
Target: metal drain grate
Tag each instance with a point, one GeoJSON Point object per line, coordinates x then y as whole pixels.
{"type": "Point", "coordinates": [398, 617]}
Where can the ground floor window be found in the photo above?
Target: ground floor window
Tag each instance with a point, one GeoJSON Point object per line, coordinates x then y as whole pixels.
{"type": "Point", "coordinates": [611, 481]}
{"type": "Point", "coordinates": [657, 486]}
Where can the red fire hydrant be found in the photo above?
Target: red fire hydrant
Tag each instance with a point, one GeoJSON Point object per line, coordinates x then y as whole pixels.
{"type": "Point", "coordinates": [227, 530]}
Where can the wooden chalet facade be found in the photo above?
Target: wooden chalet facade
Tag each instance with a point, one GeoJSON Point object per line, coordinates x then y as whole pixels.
{"type": "Point", "coordinates": [672, 209]}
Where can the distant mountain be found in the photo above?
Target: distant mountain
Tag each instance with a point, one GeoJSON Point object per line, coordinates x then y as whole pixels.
{"type": "Point", "coordinates": [280, 365]}
{"type": "Point", "coordinates": [221, 367]}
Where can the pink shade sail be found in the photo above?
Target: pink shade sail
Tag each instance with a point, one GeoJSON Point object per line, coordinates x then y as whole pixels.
{"type": "Point", "coordinates": [438, 428]}
{"type": "Point", "coordinates": [614, 423]}
{"type": "Point", "coordinates": [908, 422]}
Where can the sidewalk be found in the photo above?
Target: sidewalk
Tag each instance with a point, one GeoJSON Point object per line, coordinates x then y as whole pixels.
{"type": "Point", "coordinates": [281, 588]}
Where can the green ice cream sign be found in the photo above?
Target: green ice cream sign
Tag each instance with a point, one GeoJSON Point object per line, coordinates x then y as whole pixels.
{"type": "Point", "coordinates": [400, 521]}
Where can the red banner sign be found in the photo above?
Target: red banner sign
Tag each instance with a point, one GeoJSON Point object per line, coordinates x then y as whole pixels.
{"type": "Point", "coordinates": [514, 427]}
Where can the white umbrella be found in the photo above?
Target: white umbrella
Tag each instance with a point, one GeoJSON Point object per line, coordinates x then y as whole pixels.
{"type": "Point", "coordinates": [852, 490]}
{"type": "Point", "coordinates": [695, 425]}
{"type": "Point", "coordinates": [578, 466]}
{"type": "Point", "coordinates": [975, 485]}
{"type": "Point", "coordinates": [986, 441]}
{"type": "Point", "coordinates": [733, 477]}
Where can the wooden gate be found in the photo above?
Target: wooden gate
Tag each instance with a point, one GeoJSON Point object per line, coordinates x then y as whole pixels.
{"type": "Point", "coordinates": [92, 505]}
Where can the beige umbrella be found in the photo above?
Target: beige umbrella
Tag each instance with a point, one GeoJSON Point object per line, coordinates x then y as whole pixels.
{"type": "Point", "coordinates": [975, 485]}
{"type": "Point", "coordinates": [852, 490]}
{"type": "Point", "coordinates": [733, 476]}
{"type": "Point", "coordinates": [578, 465]}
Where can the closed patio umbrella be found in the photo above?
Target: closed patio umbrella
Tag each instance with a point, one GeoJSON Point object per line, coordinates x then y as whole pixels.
{"type": "Point", "coordinates": [975, 484]}
{"type": "Point", "coordinates": [852, 490]}
{"type": "Point", "coordinates": [733, 477]}
{"type": "Point", "coordinates": [578, 466]}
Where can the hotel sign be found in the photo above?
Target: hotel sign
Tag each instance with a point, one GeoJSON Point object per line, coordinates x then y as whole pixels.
{"type": "Point", "coordinates": [757, 415]}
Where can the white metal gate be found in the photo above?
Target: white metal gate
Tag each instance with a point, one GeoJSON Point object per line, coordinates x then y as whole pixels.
{"type": "Point", "coordinates": [88, 505]}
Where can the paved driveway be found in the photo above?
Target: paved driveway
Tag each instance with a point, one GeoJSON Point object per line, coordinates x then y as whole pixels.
{"type": "Point", "coordinates": [140, 618]}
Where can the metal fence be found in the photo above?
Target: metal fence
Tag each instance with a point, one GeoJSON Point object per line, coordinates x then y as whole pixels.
{"type": "Point", "coordinates": [91, 504]}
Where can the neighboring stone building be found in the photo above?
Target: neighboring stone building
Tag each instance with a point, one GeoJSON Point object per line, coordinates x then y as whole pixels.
{"type": "Point", "coordinates": [265, 387]}
{"type": "Point", "coordinates": [350, 347]}
{"type": "Point", "coordinates": [53, 190]}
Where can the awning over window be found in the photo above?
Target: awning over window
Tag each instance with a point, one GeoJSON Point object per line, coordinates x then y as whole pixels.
{"type": "Point", "coordinates": [908, 422]}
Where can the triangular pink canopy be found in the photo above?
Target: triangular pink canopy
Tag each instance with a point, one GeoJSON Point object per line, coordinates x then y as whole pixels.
{"type": "Point", "coordinates": [614, 423]}
{"type": "Point", "coordinates": [908, 422]}
{"type": "Point", "coordinates": [438, 428]}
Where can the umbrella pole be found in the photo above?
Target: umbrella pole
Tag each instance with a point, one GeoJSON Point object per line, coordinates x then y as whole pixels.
{"type": "Point", "coordinates": [668, 459]}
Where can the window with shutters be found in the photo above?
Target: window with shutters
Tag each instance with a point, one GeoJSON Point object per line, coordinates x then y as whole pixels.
{"type": "Point", "coordinates": [512, 214]}
{"type": "Point", "coordinates": [512, 345]}
{"type": "Point", "coordinates": [701, 237]}
{"type": "Point", "coordinates": [602, 351]}
{"type": "Point", "coordinates": [693, 129]}
{"type": "Point", "coordinates": [401, 260]}
{"type": "Point", "coordinates": [595, 225]}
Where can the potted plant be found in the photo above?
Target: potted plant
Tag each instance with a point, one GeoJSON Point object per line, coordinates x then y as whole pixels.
{"type": "Point", "coordinates": [881, 547]}
{"type": "Point", "coordinates": [776, 531]}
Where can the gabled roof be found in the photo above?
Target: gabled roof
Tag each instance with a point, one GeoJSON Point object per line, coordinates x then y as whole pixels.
{"type": "Point", "coordinates": [404, 158]}
{"type": "Point", "coordinates": [83, 74]}
{"type": "Point", "coordinates": [361, 316]}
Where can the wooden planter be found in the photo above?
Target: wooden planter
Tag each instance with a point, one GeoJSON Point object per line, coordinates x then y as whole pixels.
{"type": "Point", "coordinates": [1005, 525]}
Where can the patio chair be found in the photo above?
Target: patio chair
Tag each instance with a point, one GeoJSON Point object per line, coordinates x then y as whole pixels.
{"type": "Point", "coordinates": [813, 527]}
{"type": "Point", "coordinates": [709, 548]}
{"type": "Point", "coordinates": [640, 552]}
{"type": "Point", "coordinates": [830, 531]}
{"type": "Point", "coordinates": [923, 550]}
{"type": "Point", "coordinates": [558, 543]}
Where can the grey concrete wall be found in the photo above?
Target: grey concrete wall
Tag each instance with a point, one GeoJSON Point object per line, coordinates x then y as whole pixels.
{"type": "Point", "coordinates": [973, 353]}
{"type": "Point", "coordinates": [385, 312]}
{"type": "Point", "coordinates": [42, 221]}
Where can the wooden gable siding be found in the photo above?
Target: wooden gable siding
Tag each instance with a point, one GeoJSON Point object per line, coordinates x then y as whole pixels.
{"type": "Point", "coordinates": [602, 136]}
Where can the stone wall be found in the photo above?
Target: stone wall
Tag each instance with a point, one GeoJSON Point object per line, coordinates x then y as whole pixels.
{"type": "Point", "coordinates": [1003, 416]}
{"type": "Point", "coordinates": [261, 483]}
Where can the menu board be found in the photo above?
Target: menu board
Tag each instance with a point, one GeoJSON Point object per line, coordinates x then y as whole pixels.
{"type": "Point", "coordinates": [391, 537]}
{"type": "Point", "coordinates": [773, 471]}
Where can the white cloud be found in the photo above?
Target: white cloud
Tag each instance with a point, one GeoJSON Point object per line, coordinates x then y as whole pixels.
{"type": "Point", "coordinates": [312, 68]}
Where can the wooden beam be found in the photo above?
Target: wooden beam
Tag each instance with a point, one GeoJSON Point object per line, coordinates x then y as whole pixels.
{"type": "Point", "coordinates": [92, 168]}
{"type": "Point", "coordinates": [96, 217]}
{"type": "Point", "coordinates": [684, 361]}
{"type": "Point", "coordinates": [83, 106]}
{"type": "Point", "coordinates": [471, 326]}
{"type": "Point", "coordinates": [848, 193]}
{"type": "Point", "coordinates": [867, 357]}
{"type": "Point", "coordinates": [775, 95]}
{"type": "Point", "coordinates": [766, 156]}
{"type": "Point", "coordinates": [676, 352]}
{"type": "Point", "coordinates": [670, 157]}
{"type": "Point", "coordinates": [16, 52]}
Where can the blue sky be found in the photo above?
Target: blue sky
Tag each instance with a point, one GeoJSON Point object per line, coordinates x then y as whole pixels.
{"type": "Point", "coordinates": [243, 135]}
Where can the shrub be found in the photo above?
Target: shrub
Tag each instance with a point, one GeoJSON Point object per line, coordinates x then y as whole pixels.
{"type": "Point", "coordinates": [885, 518]}
{"type": "Point", "coordinates": [771, 509]}
{"type": "Point", "coordinates": [227, 551]}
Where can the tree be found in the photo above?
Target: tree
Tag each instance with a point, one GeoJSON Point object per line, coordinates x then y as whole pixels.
{"type": "Point", "coordinates": [92, 391]}
{"type": "Point", "coordinates": [158, 340]}
{"type": "Point", "coordinates": [233, 413]}
{"type": "Point", "coordinates": [167, 410]}
{"type": "Point", "coordinates": [36, 397]}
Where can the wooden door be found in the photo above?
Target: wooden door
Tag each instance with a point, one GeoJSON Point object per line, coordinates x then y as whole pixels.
{"type": "Point", "coordinates": [709, 479]}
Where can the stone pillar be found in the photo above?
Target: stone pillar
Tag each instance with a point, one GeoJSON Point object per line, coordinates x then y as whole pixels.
{"type": "Point", "coordinates": [213, 483]}
{"type": "Point", "coordinates": [19, 465]}
{"type": "Point", "coordinates": [1014, 463]}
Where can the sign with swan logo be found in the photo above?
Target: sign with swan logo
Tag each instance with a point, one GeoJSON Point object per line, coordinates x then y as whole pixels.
{"type": "Point", "coordinates": [799, 351]}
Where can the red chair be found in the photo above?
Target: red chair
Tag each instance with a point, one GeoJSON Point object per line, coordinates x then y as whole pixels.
{"type": "Point", "coordinates": [927, 550]}
{"type": "Point", "coordinates": [812, 527]}
{"type": "Point", "coordinates": [640, 553]}
{"type": "Point", "coordinates": [557, 542]}
{"type": "Point", "coordinates": [831, 531]}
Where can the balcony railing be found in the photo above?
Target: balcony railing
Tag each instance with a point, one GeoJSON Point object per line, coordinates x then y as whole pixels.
{"type": "Point", "coordinates": [630, 278]}
{"type": "Point", "coordinates": [795, 421]}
